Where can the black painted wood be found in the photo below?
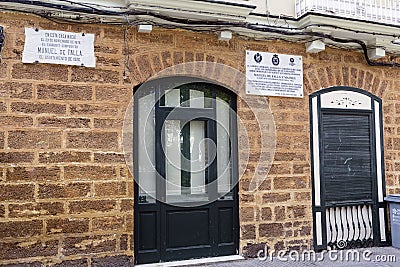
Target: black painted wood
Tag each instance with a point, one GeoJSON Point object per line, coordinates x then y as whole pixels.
{"type": "Point", "coordinates": [347, 157]}
{"type": "Point", "coordinates": [165, 232]}
{"type": "Point", "coordinates": [348, 171]}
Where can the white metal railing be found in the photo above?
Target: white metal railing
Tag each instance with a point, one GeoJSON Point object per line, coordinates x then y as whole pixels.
{"type": "Point", "coordinates": [382, 11]}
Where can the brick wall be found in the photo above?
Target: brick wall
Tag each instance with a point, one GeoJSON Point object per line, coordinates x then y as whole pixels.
{"type": "Point", "coordinates": [66, 194]}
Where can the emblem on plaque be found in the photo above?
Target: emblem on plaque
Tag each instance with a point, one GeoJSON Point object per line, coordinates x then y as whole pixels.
{"type": "Point", "coordinates": [275, 60]}
{"type": "Point", "coordinates": [257, 57]}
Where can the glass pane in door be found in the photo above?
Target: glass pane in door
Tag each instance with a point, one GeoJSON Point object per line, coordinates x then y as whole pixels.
{"type": "Point", "coordinates": [186, 161]}
{"type": "Point", "coordinates": [197, 157]}
{"type": "Point", "coordinates": [223, 146]}
{"type": "Point", "coordinates": [173, 141]}
{"type": "Point", "coordinates": [190, 96]}
{"type": "Point", "coordinates": [146, 171]}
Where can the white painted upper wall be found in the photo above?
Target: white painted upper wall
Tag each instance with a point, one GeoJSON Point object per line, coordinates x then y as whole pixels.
{"type": "Point", "coordinates": [274, 7]}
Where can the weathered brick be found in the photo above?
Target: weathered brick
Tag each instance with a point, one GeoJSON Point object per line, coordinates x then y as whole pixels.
{"type": "Point", "coordinates": [266, 214]}
{"type": "Point", "coordinates": [110, 189]}
{"type": "Point", "coordinates": [275, 197]}
{"type": "Point", "coordinates": [92, 206]}
{"type": "Point", "coordinates": [156, 38]}
{"type": "Point", "coordinates": [94, 110]}
{"type": "Point", "coordinates": [109, 158]}
{"type": "Point", "coordinates": [114, 94]}
{"type": "Point", "coordinates": [16, 157]}
{"type": "Point", "coordinates": [88, 244]}
{"type": "Point", "coordinates": [157, 65]}
{"type": "Point", "coordinates": [289, 156]}
{"type": "Point", "coordinates": [129, 222]}
{"type": "Point", "coordinates": [64, 92]}
{"type": "Point", "coordinates": [248, 231]}
{"type": "Point", "coordinates": [108, 61]}
{"type": "Point", "coordinates": [21, 229]}
{"type": "Point", "coordinates": [31, 174]}
{"type": "Point", "coordinates": [95, 75]}
{"type": "Point", "coordinates": [73, 263]}
{"type": "Point", "coordinates": [271, 230]}
{"type": "Point", "coordinates": [301, 168]}
{"type": "Point", "coordinates": [38, 108]}
{"type": "Point", "coordinates": [89, 173]}
{"type": "Point", "coordinates": [246, 198]}
{"type": "Point", "coordinates": [120, 261]}
{"type": "Point", "coordinates": [34, 139]}
{"type": "Point", "coordinates": [63, 122]}
{"type": "Point", "coordinates": [16, 121]}
{"type": "Point", "coordinates": [1, 140]}
{"type": "Point", "coordinates": [28, 248]}
{"type": "Point", "coordinates": [127, 205]}
{"type": "Point", "coordinates": [251, 250]}
{"type": "Point", "coordinates": [16, 90]}
{"type": "Point", "coordinates": [166, 59]}
{"type": "Point", "coordinates": [25, 264]}
{"type": "Point", "coordinates": [3, 69]}
{"type": "Point", "coordinates": [65, 156]}
{"type": "Point", "coordinates": [72, 190]}
{"type": "Point", "coordinates": [300, 142]}
{"type": "Point", "coordinates": [2, 211]}
{"type": "Point", "coordinates": [3, 107]}
{"type": "Point", "coordinates": [297, 212]}
{"type": "Point", "coordinates": [106, 49]}
{"type": "Point", "coordinates": [132, 243]}
{"type": "Point", "coordinates": [290, 182]}
{"type": "Point", "coordinates": [190, 41]}
{"type": "Point", "coordinates": [280, 213]}
{"type": "Point", "coordinates": [302, 196]}
{"type": "Point", "coordinates": [246, 214]}
{"type": "Point", "coordinates": [396, 143]}
{"type": "Point", "coordinates": [279, 168]}
{"type": "Point", "coordinates": [95, 140]}
{"type": "Point", "coordinates": [102, 123]}
{"type": "Point", "coordinates": [109, 223]}
{"type": "Point", "coordinates": [123, 242]}
{"type": "Point", "coordinates": [67, 225]}
{"type": "Point", "coordinates": [16, 192]}
{"type": "Point", "coordinates": [35, 209]}
{"type": "Point", "coordinates": [305, 231]}
{"type": "Point", "coordinates": [40, 72]}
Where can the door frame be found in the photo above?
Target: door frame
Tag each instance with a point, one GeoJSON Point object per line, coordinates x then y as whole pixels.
{"type": "Point", "coordinates": [343, 99]}
{"type": "Point", "coordinates": [158, 253]}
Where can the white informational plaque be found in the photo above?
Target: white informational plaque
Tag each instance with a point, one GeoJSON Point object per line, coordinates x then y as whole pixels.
{"type": "Point", "coordinates": [274, 74]}
{"type": "Point", "coordinates": [58, 47]}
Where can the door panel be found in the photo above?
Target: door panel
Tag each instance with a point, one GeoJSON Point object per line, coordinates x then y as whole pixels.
{"type": "Point", "coordinates": [148, 225]}
{"type": "Point", "coordinates": [225, 224]}
{"type": "Point", "coordinates": [185, 232]}
{"type": "Point", "coordinates": [180, 212]}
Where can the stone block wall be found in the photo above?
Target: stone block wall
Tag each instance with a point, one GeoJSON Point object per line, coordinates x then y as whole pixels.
{"type": "Point", "coordinates": [66, 194]}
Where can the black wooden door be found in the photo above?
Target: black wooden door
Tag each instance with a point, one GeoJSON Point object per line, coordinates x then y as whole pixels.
{"type": "Point", "coordinates": [189, 215]}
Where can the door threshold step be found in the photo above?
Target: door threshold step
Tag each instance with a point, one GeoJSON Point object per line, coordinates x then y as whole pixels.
{"type": "Point", "coordinates": [193, 262]}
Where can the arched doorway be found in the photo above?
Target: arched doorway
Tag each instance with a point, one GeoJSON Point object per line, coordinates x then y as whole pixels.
{"type": "Point", "coordinates": [185, 158]}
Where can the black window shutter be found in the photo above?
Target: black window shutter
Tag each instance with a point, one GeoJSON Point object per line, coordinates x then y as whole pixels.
{"type": "Point", "coordinates": [347, 157]}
